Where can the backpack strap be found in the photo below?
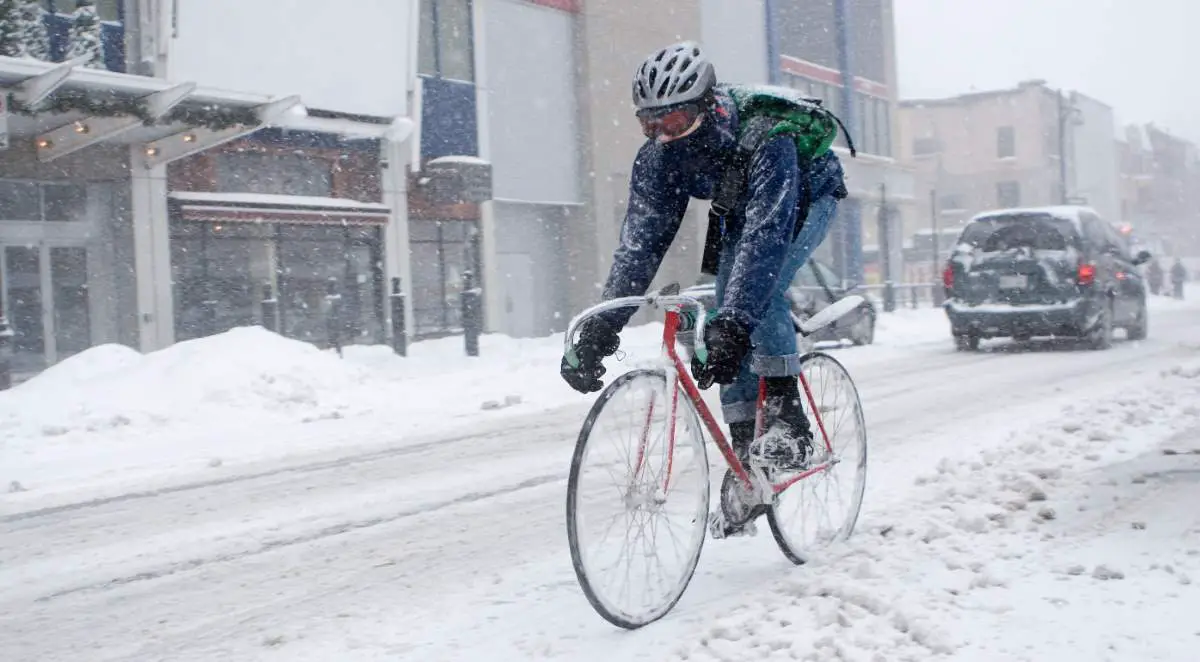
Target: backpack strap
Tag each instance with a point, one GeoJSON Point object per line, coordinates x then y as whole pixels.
{"type": "Point", "coordinates": [729, 189]}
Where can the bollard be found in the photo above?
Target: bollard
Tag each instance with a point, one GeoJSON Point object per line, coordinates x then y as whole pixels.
{"type": "Point", "coordinates": [471, 313]}
{"type": "Point", "coordinates": [270, 309]}
{"type": "Point", "coordinates": [889, 297]}
{"type": "Point", "coordinates": [399, 332]}
{"type": "Point", "coordinates": [333, 317]}
{"type": "Point", "coordinates": [6, 352]}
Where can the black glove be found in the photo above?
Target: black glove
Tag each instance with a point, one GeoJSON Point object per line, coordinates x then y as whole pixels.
{"type": "Point", "coordinates": [727, 342]}
{"type": "Point", "coordinates": [597, 340]}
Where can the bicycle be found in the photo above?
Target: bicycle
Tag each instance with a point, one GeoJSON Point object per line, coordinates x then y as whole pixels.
{"type": "Point", "coordinates": [671, 454]}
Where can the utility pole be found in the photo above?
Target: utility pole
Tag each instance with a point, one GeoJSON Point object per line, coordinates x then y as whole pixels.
{"type": "Point", "coordinates": [938, 292]}
{"type": "Point", "coordinates": [850, 222]}
{"type": "Point", "coordinates": [933, 226]}
{"type": "Point", "coordinates": [1062, 146]}
{"type": "Point", "coordinates": [885, 252]}
{"type": "Point", "coordinates": [770, 7]}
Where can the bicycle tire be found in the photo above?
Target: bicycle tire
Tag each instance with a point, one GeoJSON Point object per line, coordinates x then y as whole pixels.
{"type": "Point", "coordinates": [808, 363]}
{"type": "Point", "coordinates": [599, 601]}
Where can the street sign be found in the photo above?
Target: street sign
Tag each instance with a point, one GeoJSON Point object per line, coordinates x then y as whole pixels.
{"type": "Point", "coordinates": [3, 119]}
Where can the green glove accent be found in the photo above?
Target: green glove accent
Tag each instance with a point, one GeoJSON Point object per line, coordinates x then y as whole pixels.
{"type": "Point", "coordinates": [572, 358]}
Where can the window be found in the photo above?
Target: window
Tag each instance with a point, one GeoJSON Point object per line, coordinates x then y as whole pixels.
{"type": "Point", "coordinates": [869, 123]}
{"type": "Point", "coordinates": [884, 120]}
{"type": "Point", "coordinates": [37, 201]}
{"type": "Point", "coordinates": [926, 146]}
{"type": "Point", "coordinates": [1006, 142]}
{"type": "Point", "coordinates": [221, 274]}
{"type": "Point", "coordinates": [1008, 194]}
{"type": "Point", "coordinates": [20, 201]}
{"type": "Point", "coordinates": [445, 44]}
{"type": "Point", "coordinates": [108, 10]}
{"type": "Point", "coordinates": [951, 202]}
{"type": "Point", "coordinates": [442, 251]}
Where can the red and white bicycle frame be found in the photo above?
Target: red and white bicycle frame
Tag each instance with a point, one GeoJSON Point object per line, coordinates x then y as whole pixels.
{"type": "Point", "coordinates": [683, 379]}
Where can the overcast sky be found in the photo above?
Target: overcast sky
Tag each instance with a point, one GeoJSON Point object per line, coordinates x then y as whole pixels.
{"type": "Point", "coordinates": [1140, 56]}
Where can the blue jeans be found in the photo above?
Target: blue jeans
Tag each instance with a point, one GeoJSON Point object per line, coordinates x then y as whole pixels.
{"type": "Point", "coordinates": [774, 339]}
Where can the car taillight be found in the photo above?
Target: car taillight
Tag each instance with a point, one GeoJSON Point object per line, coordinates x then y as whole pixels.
{"type": "Point", "coordinates": [1087, 274]}
{"type": "Point", "coordinates": [948, 277]}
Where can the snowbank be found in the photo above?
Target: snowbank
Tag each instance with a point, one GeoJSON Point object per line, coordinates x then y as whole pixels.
{"type": "Point", "coordinates": [247, 371]}
{"type": "Point", "coordinates": [1081, 540]}
{"type": "Point", "coordinates": [249, 394]}
{"type": "Point", "coordinates": [906, 327]}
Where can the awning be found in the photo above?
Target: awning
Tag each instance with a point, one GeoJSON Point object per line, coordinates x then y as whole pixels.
{"type": "Point", "coordinates": [267, 208]}
{"type": "Point", "coordinates": [67, 107]}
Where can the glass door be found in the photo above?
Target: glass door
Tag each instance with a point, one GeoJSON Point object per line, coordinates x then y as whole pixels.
{"type": "Point", "coordinates": [24, 299]}
{"type": "Point", "coordinates": [45, 296]}
{"type": "Point", "coordinates": [68, 299]}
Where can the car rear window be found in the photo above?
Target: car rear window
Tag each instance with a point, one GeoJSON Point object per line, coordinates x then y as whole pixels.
{"type": "Point", "coordinates": [1036, 231]}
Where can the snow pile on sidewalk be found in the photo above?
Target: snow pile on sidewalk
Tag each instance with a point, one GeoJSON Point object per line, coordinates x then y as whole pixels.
{"type": "Point", "coordinates": [254, 376]}
{"type": "Point", "coordinates": [247, 371]}
{"type": "Point", "coordinates": [906, 327]}
{"type": "Point", "coordinates": [1080, 542]}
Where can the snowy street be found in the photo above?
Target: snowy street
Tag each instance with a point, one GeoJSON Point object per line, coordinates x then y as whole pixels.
{"type": "Point", "coordinates": [1028, 502]}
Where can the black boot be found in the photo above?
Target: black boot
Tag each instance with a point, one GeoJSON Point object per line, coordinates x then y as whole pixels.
{"type": "Point", "coordinates": [740, 436]}
{"type": "Point", "coordinates": [788, 439]}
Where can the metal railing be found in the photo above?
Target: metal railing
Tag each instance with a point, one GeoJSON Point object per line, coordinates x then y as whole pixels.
{"type": "Point", "coordinates": [906, 295]}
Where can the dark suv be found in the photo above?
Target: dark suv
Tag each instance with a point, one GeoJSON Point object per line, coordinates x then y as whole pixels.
{"type": "Point", "coordinates": [1051, 271]}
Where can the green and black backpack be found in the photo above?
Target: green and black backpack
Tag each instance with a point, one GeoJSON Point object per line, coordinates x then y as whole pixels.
{"type": "Point", "coordinates": [764, 112]}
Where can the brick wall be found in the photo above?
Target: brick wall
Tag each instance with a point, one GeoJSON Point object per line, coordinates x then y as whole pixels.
{"type": "Point", "coordinates": [354, 173]}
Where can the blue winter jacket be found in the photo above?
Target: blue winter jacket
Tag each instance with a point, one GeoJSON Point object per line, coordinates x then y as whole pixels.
{"type": "Point", "coordinates": [666, 175]}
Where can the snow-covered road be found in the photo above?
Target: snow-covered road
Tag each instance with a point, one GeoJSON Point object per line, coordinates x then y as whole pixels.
{"type": "Point", "coordinates": [999, 484]}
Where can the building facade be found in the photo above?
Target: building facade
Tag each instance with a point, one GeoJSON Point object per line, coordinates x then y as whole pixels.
{"type": "Point", "coordinates": [174, 200]}
{"type": "Point", "coordinates": [1003, 148]}
{"type": "Point", "coordinates": [983, 151]}
{"type": "Point", "coordinates": [1160, 190]}
{"type": "Point", "coordinates": [817, 40]}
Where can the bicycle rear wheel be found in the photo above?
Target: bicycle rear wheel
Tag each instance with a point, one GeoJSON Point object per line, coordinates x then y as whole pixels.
{"type": "Point", "coordinates": [803, 517]}
{"type": "Point", "coordinates": [637, 493]}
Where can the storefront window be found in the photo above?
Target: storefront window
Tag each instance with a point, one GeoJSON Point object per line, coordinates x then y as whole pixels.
{"type": "Point", "coordinates": [222, 272]}
{"type": "Point", "coordinates": [442, 252]}
{"type": "Point", "coordinates": [42, 201]}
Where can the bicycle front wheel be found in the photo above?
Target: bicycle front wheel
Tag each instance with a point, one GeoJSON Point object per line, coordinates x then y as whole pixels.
{"type": "Point", "coordinates": [637, 499]}
{"type": "Point", "coordinates": [823, 508]}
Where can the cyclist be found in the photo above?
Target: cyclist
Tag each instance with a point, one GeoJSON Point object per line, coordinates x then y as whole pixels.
{"type": "Point", "coordinates": [782, 214]}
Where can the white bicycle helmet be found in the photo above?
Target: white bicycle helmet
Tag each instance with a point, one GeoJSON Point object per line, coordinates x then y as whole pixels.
{"type": "Point", "coordinates": [676, 74]}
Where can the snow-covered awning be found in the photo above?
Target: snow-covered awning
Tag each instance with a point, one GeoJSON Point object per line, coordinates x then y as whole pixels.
{"type": "Point", "coordinates": [268, 208]}
{"type": "Point", "coordinates": [69, 107]}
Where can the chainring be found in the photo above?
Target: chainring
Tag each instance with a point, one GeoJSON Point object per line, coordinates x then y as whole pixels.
{"type": "Point", "coordinates": [737, 503]}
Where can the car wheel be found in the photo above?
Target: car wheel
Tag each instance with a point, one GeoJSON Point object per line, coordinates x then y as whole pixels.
{"type": "Point", "coordinates": [863, 331]}
{"type": "Point", "coordinates": [1138, 330]}
{"type": "Point", "coordinates": [1100, 336]}
{"type": "Point", "coordinates": [966, 343]}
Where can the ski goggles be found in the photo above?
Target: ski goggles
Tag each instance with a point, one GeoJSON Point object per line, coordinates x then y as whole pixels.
{"type": "Point", "coordinates": [669, 123]}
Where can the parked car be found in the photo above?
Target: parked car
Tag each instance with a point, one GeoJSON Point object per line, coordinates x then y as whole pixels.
{"type": "Point", "coordinates": [815, 287]}
{"type": "Point", "coordinates": [1047, 271]}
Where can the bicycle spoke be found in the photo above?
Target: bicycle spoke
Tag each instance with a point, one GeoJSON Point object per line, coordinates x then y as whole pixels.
{"type": "Point", "coordinates": [822, 508]}
{"type": "Point", "coordinates": [635, 576]}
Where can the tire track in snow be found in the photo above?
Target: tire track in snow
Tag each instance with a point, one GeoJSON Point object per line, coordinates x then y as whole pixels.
{"type": "Point", "coordinates": [312, 536]}
{"type": "Point", "coordinates": [310, 467]}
